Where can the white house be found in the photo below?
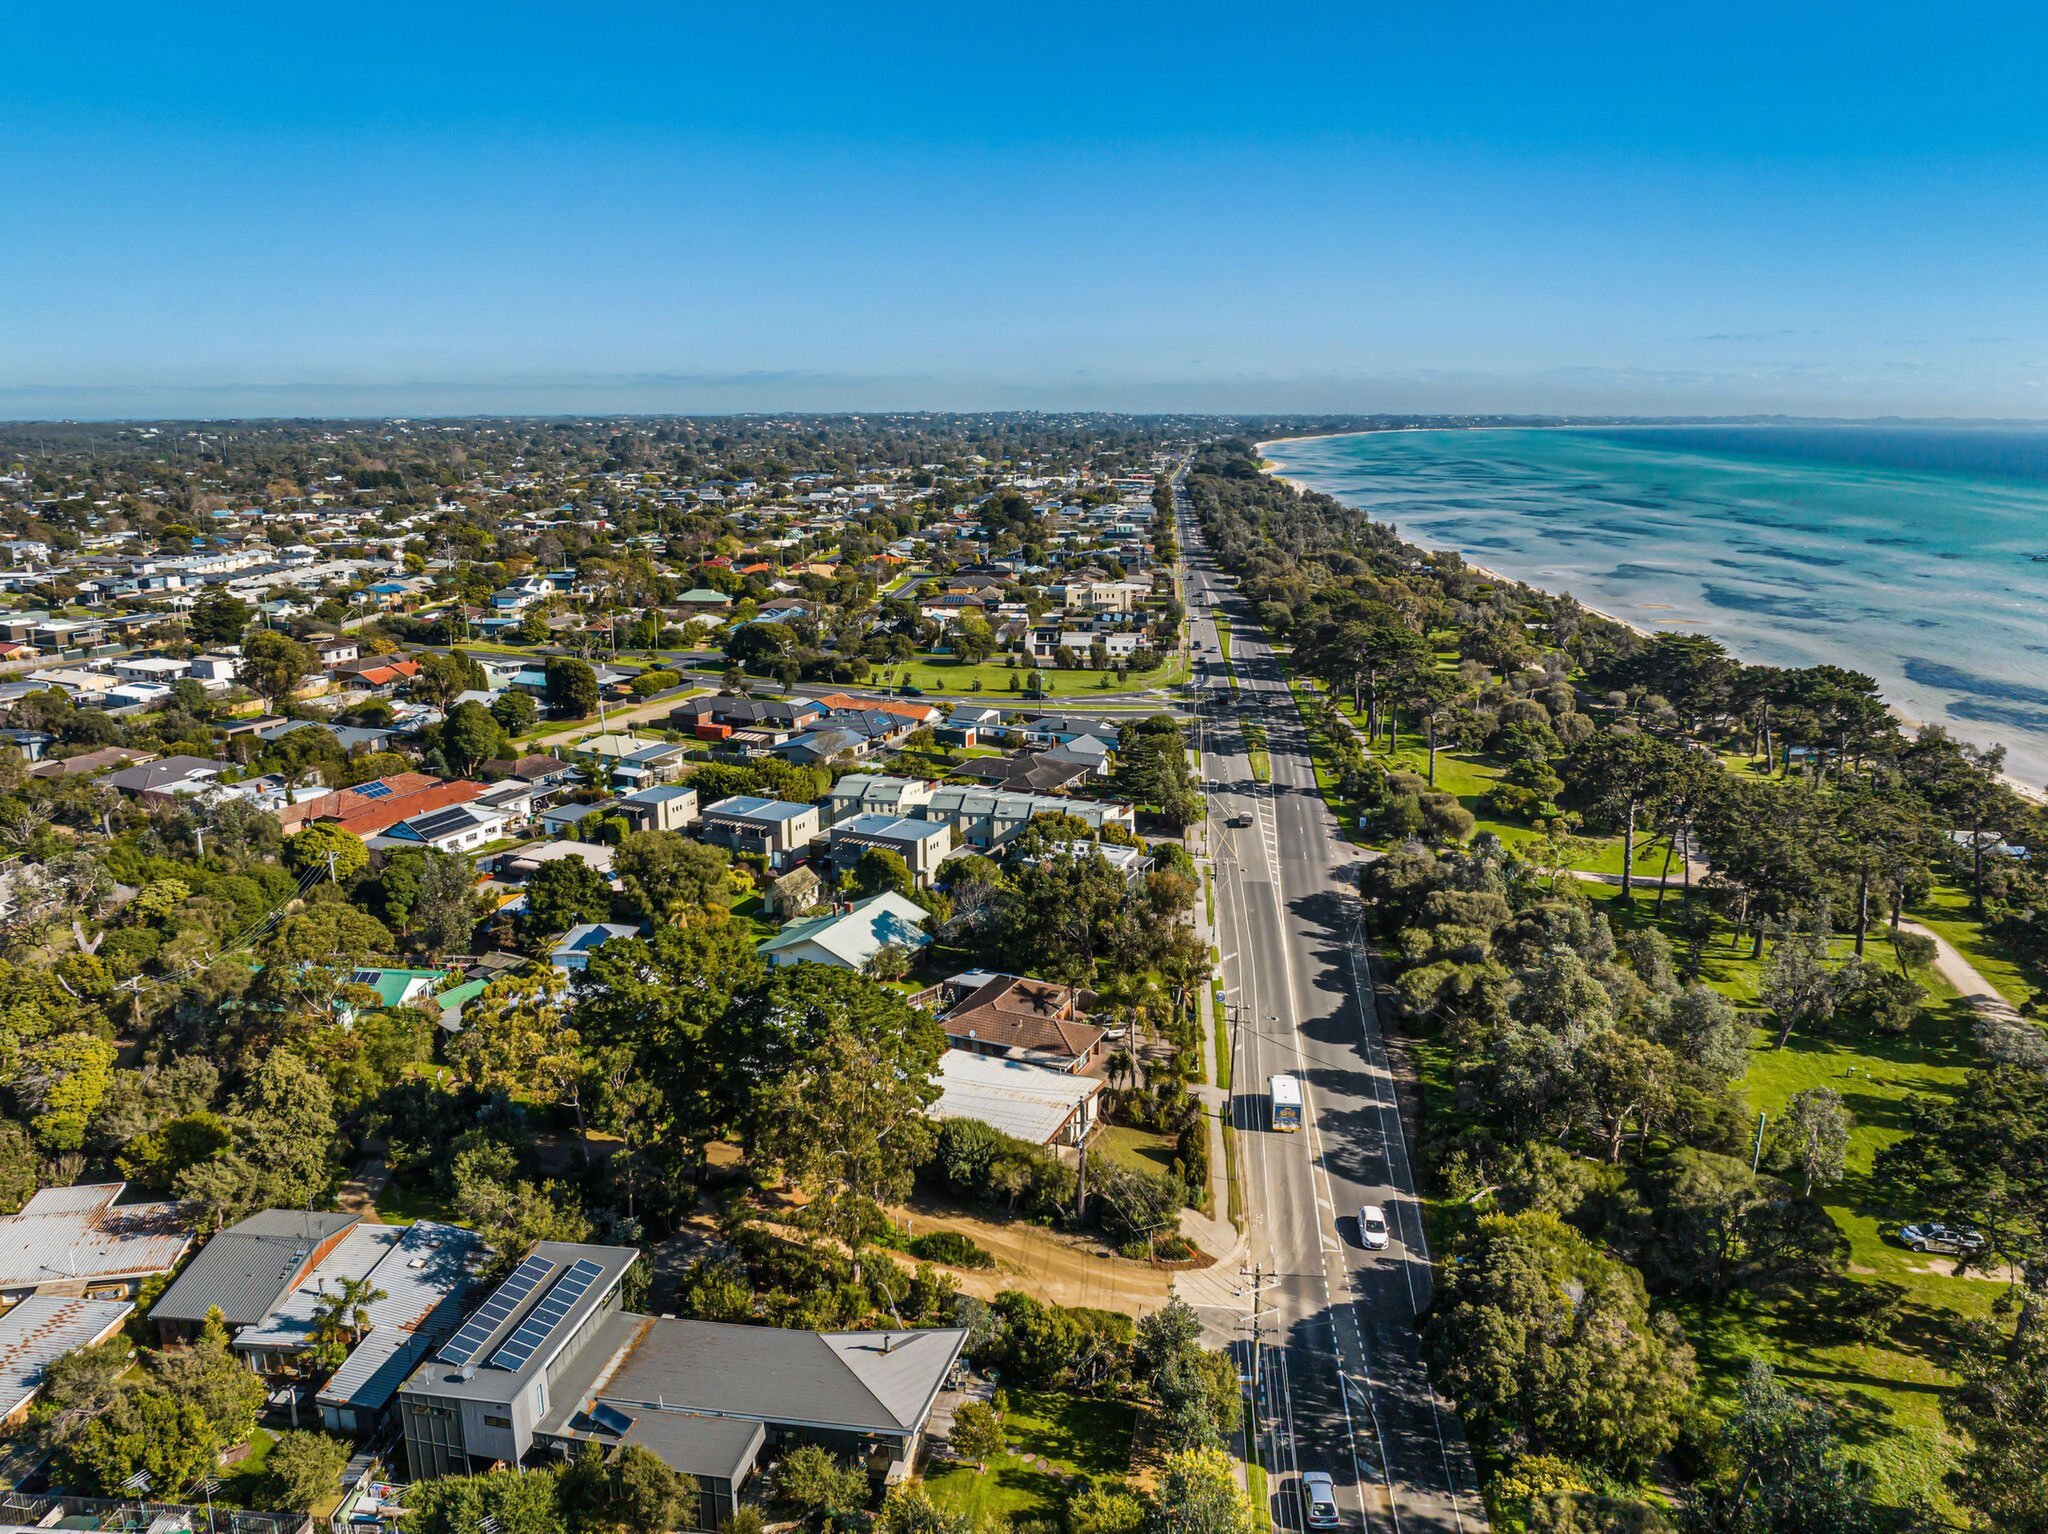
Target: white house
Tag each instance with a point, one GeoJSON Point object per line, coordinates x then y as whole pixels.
{"type": "Point", "coordinates": [458, 828]}
{"type": "Point", "coordinates": [849, 939]}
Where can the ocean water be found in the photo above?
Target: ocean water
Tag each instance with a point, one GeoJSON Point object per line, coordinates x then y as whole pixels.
{"type": "Point", "coordinates": [1902, 552]}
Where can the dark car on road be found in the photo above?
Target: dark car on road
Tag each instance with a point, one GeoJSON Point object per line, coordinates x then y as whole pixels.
{"type": "Point", "coordinates": [1931, 1236]}
{"type": "Point", "coordinates": [1238, 822]}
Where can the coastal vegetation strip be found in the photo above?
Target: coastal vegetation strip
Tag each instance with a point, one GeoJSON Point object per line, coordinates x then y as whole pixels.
{"type": "Point", "coordinates": [1593, 1064]}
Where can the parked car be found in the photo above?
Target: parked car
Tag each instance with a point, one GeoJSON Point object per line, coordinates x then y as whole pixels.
{"type": "Point", "coordinates": [1372, 1227]}
{"type": "Point", "coordinates": [1932, 1236]}
{"type": "Point", "coordinates": [1319, 1499]}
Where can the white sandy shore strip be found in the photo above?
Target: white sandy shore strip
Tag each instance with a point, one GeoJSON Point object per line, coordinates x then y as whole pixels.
{"type": "Point", "coordinates": [2026, 791]}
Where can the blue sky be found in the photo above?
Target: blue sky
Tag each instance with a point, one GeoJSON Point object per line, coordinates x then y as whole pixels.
{"type": "Point", "coordinates": [365, 209]}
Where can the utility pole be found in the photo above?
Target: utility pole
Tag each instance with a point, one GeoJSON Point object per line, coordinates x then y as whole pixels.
{"type": "Point", "coordinates": [1756, 1156]}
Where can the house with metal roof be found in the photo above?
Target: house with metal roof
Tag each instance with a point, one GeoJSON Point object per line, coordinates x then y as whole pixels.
{"type": "Point", "coordinates": [246, 1271]}
{"type": "Point", "coordinates": [849, 939]}
{"type": "Point", "coordinates": [425, 1278]}
{"type": "Point", "coordinates": [988, 817]}
{"type": "Point", "coordinates": [553, 1359]}
{"type": "Point", "coordinates": [1024, 1101]}
{"type": "Point", "coordinates": [38, 1332]}
{"type": "Point", "coordinates": [398, 987]}
{"type": "Point", "coordinates": [922, 844]}
{"type": "Point", "coordinates": [768, 828]}
{"type": "Point", "coordinates": [664, 807]}
{"type": "Point", "coordinates": [572, 953]}
{"type": "Point", "coordinates": [874, 793]}
{"type": "Point", "coordinates": [457, 828]}
{"type": "Point", "coordinates": [78, 1241]}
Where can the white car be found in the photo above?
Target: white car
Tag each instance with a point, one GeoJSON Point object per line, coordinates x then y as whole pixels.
{"type": "Point", "coordinates": [1319, 1500]}
{"type": "Point", "coordinates": [1372, 1227]}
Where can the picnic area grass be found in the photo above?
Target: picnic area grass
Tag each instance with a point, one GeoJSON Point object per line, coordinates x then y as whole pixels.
{"type": "Point", "coordinates": [1886, 1389]}
{"type": "Point", "coordinates": [1054, 1443]}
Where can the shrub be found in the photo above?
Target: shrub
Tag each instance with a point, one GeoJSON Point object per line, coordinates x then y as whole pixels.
{"type": "Point", "coordinates": [953, 1249]}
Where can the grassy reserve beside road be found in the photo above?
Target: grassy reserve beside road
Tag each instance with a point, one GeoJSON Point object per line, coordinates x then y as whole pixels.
{"type": "Point", "coordinates": [1946, 912]}
{"type": "Point", "coordinates": [1466, 777]}
{"type": "Point", "coordinates": [1886, 1385]}
{"type": "Point", "coordinates": [1054, 1443]}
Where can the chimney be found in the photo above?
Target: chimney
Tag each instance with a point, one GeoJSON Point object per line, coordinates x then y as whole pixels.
{"type": "Point", "coordinates": [888, 1342]}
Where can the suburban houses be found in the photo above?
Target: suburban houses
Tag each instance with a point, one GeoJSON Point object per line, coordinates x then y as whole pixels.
{"type": "Point", "coordinates": [420, 814]}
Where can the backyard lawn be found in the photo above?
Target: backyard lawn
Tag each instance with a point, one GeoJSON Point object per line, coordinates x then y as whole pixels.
{"type": "Point", "coordinates": [1146, 1150]}
{"type": "Point", "coordinates": [1054, 1444]}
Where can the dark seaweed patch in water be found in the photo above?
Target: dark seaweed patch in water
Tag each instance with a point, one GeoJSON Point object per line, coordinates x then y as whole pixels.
{"type": "Point", "coordinates": [1891, 541]}
{"type": "Point", "coordinates": [2013, 714]}
{"type": "Point", "coordinates": [1929, 623]}
{"type": "Point", "coordinates": [1791, 556]}
{"type": "Point", "coordinates": [1732, 599]}
{"type": "Point", "coordinates": [1639, 572]}
{"type": "Point", "coordinates": [1980, 689]}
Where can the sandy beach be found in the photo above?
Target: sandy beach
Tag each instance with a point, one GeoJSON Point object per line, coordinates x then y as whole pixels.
{"type": "Point", "coordinates": [1277, 469]}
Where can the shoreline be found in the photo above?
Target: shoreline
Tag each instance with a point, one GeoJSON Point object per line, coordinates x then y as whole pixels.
{"type": "Point", "coordinates": [1277, 468]}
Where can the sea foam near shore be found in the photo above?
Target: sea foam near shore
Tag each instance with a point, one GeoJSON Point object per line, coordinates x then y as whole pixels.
{"type": "Point", "coordinates": [1902, 552]}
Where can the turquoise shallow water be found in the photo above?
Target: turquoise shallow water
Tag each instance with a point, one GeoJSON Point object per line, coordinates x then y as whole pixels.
{"type": "Point", "coordinates": [1901, 552]}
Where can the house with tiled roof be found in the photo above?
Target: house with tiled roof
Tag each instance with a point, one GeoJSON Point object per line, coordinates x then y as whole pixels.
{"type": "Point", "coordinates": [1035, 1021]}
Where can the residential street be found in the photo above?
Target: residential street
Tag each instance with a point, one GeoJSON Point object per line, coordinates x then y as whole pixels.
{"type": "Point", "coordinates": [1338, 1350]}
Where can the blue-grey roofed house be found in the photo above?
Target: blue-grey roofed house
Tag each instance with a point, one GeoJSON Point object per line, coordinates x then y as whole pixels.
{"type": "Point", "coordinates": [768, 828]}
{"type": "Point", "coordinates": [572, 953]}
{"type": "Point", "coordinates": [922, 844]}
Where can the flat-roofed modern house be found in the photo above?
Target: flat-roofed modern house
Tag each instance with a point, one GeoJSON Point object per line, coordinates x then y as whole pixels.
{"type": "Point", "coordinates": [872, 793]}
{"type": "Point", "coordinates": [989, 817]}
{"type": "Point", "coordinates": [665, 807]}
{"type": "Point", "coordinates": [922, 844]}
{"type": "Point", "coordinates": [478, 1398]}
{"type": "Point", "coordinates": [76, 1241]}
{"type": "Point", "coordinates": [770, 828]}
{"type": "Point", "coordinates": [247, 1270]}
{"type": "Point", "coordinates": [553, 1359]}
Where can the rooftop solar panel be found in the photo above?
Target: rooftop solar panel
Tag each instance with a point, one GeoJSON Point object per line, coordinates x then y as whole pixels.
{"type": "Point", "coordinates": [462, 1347]}
{"type": "Point", "coordinates": [513, 1353]}
{"type": "Point", "coordinates": [373, 790]}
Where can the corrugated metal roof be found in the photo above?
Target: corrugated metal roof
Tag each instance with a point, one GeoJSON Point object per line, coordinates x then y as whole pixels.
{"type": "Point", "coordinates": [76, 1233]}
{"type": "Point", "coordinates": [247, 1269]}
{"type": "Point", "coordinates": [41, 1330]}
{"type": "Point", "coordinates": [1026, 1101]}
{"type": "Point", "coordinates": [426, 1281]}
{"type": "Point", "coordinates": [290, 1323]}
{"type": "Point", "coordinates": [771, 1374]}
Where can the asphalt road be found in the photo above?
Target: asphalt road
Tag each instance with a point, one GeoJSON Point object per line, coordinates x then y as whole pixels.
{"type": "Point", "coordinates": [1339, 1355]}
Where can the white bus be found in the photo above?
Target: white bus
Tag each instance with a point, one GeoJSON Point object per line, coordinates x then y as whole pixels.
{"type": "Point", "coordinates": [1284, 1093]}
